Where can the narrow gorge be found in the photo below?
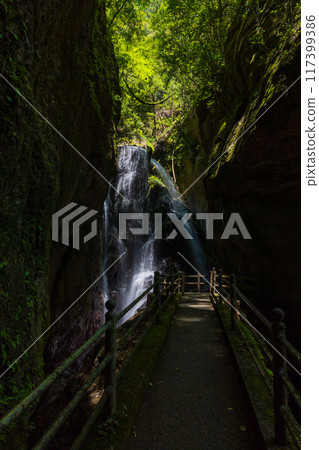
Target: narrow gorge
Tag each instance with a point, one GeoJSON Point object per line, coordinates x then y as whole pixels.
{"type": "Point", "coordinates": [137, 191]}
{"type": "Point", "coordinates": [160, 107]}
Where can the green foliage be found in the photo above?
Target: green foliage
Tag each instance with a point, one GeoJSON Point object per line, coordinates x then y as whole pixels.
{"type": "Point", "coordinates": [141, 71]}
{"type": "Point", "coordinates": [153, 180]}
{"type": "Point", "coordinates": [155, 184]}
{"type": "Point", "coordinates": [191, 36]}
{"type": "Point", "coordinates": [183, 51]}
{"type": "Point", "coordinates": [168, 51]}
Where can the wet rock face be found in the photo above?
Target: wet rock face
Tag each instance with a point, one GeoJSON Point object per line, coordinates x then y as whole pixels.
{"type": "Point", "coordinates": [59, 55]}
{"type": "Point", "coordinates": [262, 183]}
{"type": "Point", "coordinates": [259, 174]}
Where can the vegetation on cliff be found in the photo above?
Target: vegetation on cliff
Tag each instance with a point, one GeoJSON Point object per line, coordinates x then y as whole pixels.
{"type": "Point", "coordinates": [61, 59]}
{"type": "Point", "coordinates": [217, 67]}
{"type": "Point", "coordinates": [190, 78]}
{"type": "Point", "coordinates": [178, 56]}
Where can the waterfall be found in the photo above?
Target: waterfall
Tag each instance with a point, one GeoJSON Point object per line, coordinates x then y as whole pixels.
{"type": "Point", "coordinates": [136, 268]}
{"type": "Point", "coordinates": [195, 249]}
{"type": "Point", "coordinates": [143, 254]}
{"type": "Point", "coordinates": [167, 180]}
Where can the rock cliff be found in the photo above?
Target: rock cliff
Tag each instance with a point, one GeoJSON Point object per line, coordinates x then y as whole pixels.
{"type": "Point", "coordinates": [258, 173]}
{"type": "Point", "coordinates": [59, 56]}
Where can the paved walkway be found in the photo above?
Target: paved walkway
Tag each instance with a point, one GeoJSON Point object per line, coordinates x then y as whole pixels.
{"type": "Point", "coordinates": [195, 401]}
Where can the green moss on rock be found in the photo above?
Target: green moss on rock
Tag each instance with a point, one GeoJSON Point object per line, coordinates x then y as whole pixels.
{"type": "Point", "coordinates": [61, 59]}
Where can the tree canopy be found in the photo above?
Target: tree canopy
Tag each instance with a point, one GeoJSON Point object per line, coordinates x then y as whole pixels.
{"type": "Point", "coordinates": [171, 55]}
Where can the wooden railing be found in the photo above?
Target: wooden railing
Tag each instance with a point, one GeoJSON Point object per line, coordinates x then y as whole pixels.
{"type": "Point", "coordinates": [197, 281]}
{"type": "Point", "coordinates": [164, 288]}
{"type": "Point", "coordinates": [279, 353]}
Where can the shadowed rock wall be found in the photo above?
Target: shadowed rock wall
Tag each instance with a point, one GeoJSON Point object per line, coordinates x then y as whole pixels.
{"type": "Point", "coordinates": [59, 55]}
{"type": "Point", "coordinates": [259, 173]}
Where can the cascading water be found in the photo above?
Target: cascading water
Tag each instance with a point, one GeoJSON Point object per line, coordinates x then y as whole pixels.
{"type": "Point", "coordinates": [196, 251]}
{"type": "Point", "coordinates": [134, 271]}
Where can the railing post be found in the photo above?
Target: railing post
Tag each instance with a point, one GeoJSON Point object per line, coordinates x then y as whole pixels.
{"type": "Point", "coordinates": [214, 281]}
{"type": "Point", "coordinates": [279, 369]}
{"type": "Point", "coordinates": [198, 283]}
{"type": "Point", "coordinates": [211, 281]}
{"type": "Point", "coordinates": [110, 347]}
{"type": "Point", "coordinates": [233, 301]}
{"type": "Point", "coordinates": [157, 292]}
{"type": "Point", "coordinates": [172, 284]}
{"type": "Point", "coordinates": [183, 283]}
{"type": "Point", "coordinates": [220, 284]}
{"type": "Point", "coordinates": [179, 282]}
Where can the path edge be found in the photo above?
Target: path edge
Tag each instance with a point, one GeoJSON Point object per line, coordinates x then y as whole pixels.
{"type": "Point", "coordinates": [133, 383]}
{"type": "Point", "coordinates": [257, 395]}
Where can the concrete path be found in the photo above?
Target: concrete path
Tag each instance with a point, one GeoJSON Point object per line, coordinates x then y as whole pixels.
{"type": "Point", "coordinates": [195, 400]}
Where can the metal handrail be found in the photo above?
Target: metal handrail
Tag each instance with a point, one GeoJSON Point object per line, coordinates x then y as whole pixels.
{"type": "Point", "coordinates": [106, 364]}
{"type": "Point", "coordinates": [119, 373]}
{"type": "Point", "coordinates": [166, 288]}
{"type": "Point", "coordinates": [128, 333]}
{"type": "Point", "coordinates": [167, 275]}
{"type": "Point", "coordinates": [90, 421]}
{"type": "Point", "coordinates": [134, 302]}
{"type": "Point", "coordinates": [49, 435]}
{"type": "Point", "coordinates": [290, 348]}
{"type": "Point", "coordinates": [260, 316]}
{"type": "Point", "coordinates": [283, 418]}
{"type": "Point", "coordinates": [140, 297]}
{"type": "Point", "coordinates": [223, 290]}
{"type": "Point", "coordinates": [18, 410]}
{"type": "Point", "coordinates": [292, 390]}
{"type": "Point", "coordinates": [293, 352]}
{"type": "Point", "coordinates": [196, 276]}
{"type": "Point", "coordinates": [98, 409]}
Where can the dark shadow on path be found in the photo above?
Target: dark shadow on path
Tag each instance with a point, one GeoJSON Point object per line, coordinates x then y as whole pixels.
{"type": "Point", "coordinates": [196, 400]}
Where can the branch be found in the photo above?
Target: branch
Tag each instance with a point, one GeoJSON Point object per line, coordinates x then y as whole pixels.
{"type": "Point", "coordinates": [118, 12]}
{"type": "Point", "coordinates": [143, 101]}
{"type": "Point", "coordinates": [173, 166]}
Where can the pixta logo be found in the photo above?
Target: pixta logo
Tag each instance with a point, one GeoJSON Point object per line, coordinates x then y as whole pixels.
{"type": "Point", "coordinates": [235, 225]}
{"type": "Point", "coordinates": [69, 223]}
